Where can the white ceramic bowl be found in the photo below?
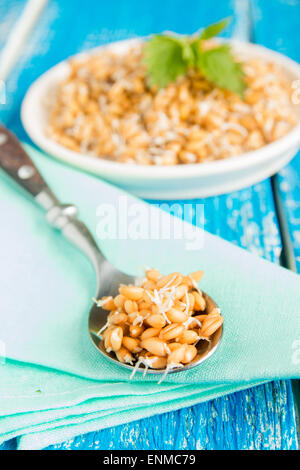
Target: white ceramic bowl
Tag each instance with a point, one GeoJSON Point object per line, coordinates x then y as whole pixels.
{"type": "Point", "coordinates": [167, 182]}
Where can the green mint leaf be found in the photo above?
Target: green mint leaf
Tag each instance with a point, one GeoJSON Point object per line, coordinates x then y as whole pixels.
{"type": "Point", "coordinates": [166, 59]}
{"type": "Point", "coordinates": [188, 54]}
{"type": "Point", "coordinates": [219, 67]}
{"type": "Point", "coordinates": [214, 29]}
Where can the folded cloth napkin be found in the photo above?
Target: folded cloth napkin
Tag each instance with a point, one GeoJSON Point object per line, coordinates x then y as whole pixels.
{"type": "Point", "coordinates": [76, 412]}
{"type": "Point", "coordinates": [46, 290]}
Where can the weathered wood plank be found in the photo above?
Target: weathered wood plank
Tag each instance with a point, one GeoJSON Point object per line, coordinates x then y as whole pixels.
{"type": "Point", "coordinates": [283, 35]}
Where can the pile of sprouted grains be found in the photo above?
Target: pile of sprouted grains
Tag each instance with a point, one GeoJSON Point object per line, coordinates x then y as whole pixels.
{"type": "Point", "coordinates": [159, 322]}
{"type": "Point", "coordinates": [107, 108]}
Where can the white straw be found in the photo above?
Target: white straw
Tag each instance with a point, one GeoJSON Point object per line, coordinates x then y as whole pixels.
{"type": "Point", "coordinates": [18, 35]}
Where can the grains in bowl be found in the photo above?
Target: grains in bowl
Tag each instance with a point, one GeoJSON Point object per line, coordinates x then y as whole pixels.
{"type": "Point", "coordinates": [105, 108]}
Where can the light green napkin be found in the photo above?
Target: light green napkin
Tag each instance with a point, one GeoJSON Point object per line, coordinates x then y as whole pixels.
{"type": "Point", "coordinates": [46, 289]}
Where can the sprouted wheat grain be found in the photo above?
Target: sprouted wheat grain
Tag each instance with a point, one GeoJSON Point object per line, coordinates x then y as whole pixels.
{"type": "Point", "coordinates": [168, 328]}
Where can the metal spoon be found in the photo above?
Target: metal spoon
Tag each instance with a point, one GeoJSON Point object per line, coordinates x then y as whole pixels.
{"type": "Point", "coordinates": [16, 163]}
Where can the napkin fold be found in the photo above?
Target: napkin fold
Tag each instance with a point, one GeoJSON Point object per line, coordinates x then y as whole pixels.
{"type": "Point", "coordinates": [54, 384]}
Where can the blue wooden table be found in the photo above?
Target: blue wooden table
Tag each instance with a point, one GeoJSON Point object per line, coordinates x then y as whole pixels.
{"type": "Point", "coordinates": [258, 418]}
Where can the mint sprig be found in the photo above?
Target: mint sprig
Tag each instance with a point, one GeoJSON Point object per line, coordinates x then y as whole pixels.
{"type": "Point", "coordinates": [169, 57]}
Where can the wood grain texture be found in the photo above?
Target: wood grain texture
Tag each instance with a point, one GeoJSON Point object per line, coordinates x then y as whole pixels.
{"type": "Point", "coordinates": [283, 36]}
{"type": "Point", "coordinates": [259, 418]}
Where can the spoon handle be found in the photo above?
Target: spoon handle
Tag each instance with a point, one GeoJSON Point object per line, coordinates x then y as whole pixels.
{"type": "Point", "coordinates": [15, 161]}
{"type": "Point", "coordinates": [17, 164]}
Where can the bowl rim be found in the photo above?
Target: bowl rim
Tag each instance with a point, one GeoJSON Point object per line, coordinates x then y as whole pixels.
{"type": "Point", "coordinates": [100, 165]}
